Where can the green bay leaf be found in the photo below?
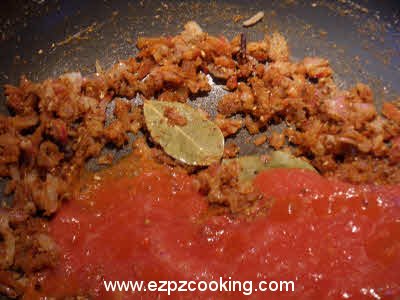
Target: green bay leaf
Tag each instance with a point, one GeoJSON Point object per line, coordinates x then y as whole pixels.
{"type": "Point", "coordinates": [198, 142]}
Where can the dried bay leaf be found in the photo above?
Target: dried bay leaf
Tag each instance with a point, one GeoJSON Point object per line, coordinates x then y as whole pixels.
{"type": "Point", "coordinates": [250, 166]}
{"type": "Point", "coordinates": [198, 142]}
{"type": "Point", "coordinates": [281, 159]}
{"type": "Point", "coordinates": [253, 164]}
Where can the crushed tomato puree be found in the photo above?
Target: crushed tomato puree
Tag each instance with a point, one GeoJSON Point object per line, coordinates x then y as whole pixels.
{"type": "Point", "coordinates": [334, 240]}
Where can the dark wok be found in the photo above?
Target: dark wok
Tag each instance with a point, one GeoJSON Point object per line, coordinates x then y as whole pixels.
{"type": "Point", "coordinates": [43, 39]}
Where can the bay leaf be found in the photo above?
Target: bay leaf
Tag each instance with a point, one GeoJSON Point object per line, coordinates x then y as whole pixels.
{"type": "Point", "coordinates": [281, 159]}
{"type": "Point", "coordinates": [198, 142]}
{"type": "Point", "coordinates": [251, 165]}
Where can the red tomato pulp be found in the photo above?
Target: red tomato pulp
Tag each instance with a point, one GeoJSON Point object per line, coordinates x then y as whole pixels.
{"type": "Point", "coordinates": [333, 240]}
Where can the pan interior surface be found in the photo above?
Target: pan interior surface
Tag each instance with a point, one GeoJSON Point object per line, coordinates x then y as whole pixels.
{"type": "Point", "coordinates": [43, 39]}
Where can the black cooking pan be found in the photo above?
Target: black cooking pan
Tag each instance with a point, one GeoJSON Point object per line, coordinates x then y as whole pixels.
{"type": "Point", "coordinates": [41, 38]}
